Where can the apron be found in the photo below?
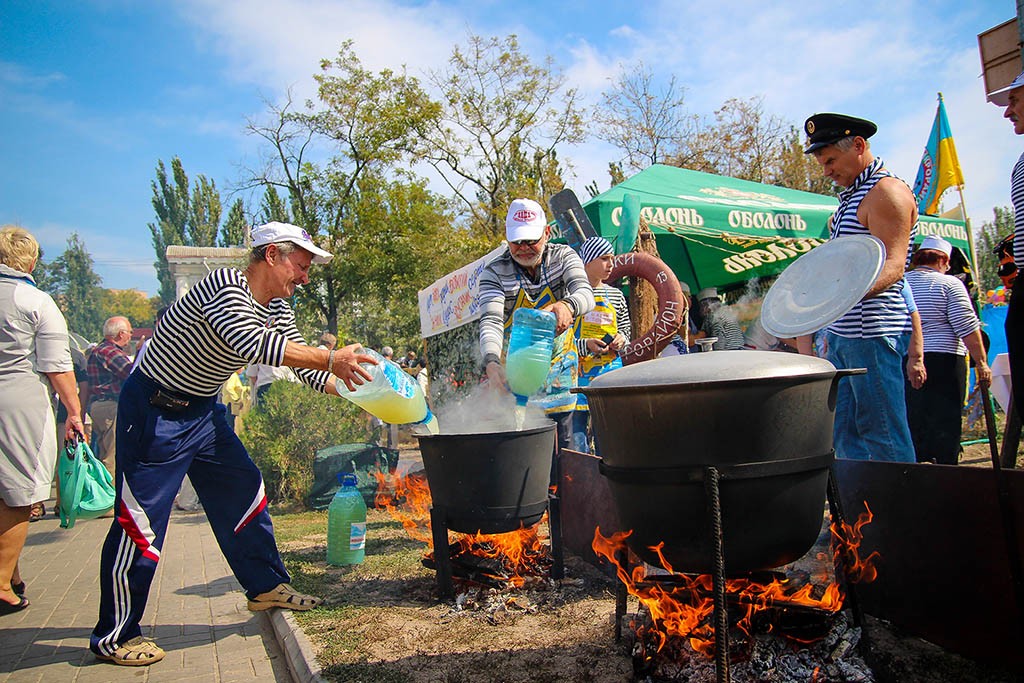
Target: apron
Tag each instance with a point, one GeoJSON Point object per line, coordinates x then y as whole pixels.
{"type": "Point", "coordinates": [554, 396]}
{"type": "Point", "coordinates": [595, 325]}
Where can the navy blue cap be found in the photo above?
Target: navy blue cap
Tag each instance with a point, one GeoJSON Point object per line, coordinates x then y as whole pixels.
{"type": "Point", "coordinates": [826, 129]}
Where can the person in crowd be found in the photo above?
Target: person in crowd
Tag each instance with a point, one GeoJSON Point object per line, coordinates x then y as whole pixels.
{"type": "Point", "coordinates": [951, 329]}
{"type": "Point", "coordinates": [108, 368]}
{"type": "Point", "coordinates": [409, 361]}
{"type": "Point", "coordinates": [683, 339]}
{"type": "Point", "coordinates": [532, 273]}
{"type": "Point", "coordinates": [388, 352]}
{"type": "Point", "coordinates": [600, 334]}
{"type": "Point", "coordinates": [261, 376]}
{"type": "Point", "coordinates": [170, 422]}
{"type": "Point", "coordinates": [35, 359]}
{"type": "Point", "coordinates": [871, 414]}
{"type": "Point", "coordinates": [422, 378]}
{"type": "Point", "coordinates": [718, 322]}
{"type": "Point", "coordinates": [1012, 98]}
{"type": "Point", "coordinates": [327, 341]}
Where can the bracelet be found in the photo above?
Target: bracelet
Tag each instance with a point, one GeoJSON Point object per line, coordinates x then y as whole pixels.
{"type": "Point", "coordinates": [330, 360]}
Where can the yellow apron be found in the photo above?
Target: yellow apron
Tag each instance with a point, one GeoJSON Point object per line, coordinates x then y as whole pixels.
{"type": "Point", "coordinates": [554, 396]}
{"type": "Point", "coordinates": [595, 325]}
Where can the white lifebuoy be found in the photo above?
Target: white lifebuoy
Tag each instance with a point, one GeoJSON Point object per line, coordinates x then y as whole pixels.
{"type": "Point", "coordinates": [672, 306]}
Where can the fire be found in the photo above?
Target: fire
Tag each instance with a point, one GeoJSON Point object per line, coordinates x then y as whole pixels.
{"type": "Point", "coordinates": [681, 605]}
{"type": "Point", "coordinates": [509, 557]}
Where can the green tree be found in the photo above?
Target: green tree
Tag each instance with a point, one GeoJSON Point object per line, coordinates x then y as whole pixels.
{"type": "Point", "coordinates": [799, 171]}
{"type": "Point", "coordinates": [130, 303]}
{"type": "Point", "coordinates": [497, 104]}
{"type": "Point", "coordinates": [236, 226]}
{"type": "Point", "coordinates": [272, 208]}
{"type": "Point", "coordinates": [186, 217]}
{"type": "Point", "coordinates": [987, 237]}
{"type": "Point", "coordinates": [76, 289]}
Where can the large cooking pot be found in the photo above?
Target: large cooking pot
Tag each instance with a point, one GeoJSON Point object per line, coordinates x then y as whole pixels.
{"type": "Point", "coordinates": [489, 483]}
{"type": "Point", "coordinates": [763, 419]}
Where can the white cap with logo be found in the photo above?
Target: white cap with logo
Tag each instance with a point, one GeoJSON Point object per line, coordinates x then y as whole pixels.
{"type": "Point", "coordinates": [525, 221]}
{"type": "Point", "coordinates": [273, 232]}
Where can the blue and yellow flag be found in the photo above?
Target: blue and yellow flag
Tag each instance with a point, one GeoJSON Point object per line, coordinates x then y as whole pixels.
{"type": "Point", "coordinates": [940, 168]}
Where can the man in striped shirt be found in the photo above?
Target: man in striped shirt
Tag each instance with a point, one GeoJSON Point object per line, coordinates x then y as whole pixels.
{"type": "Point", "coordinates": [871, 414]}
{"type": "Point", "coordinates": [169, 423]}
{"type": "Point", "coordinates": [1012, 97]}
{"type": "Point", "coordinates": [532, 273]}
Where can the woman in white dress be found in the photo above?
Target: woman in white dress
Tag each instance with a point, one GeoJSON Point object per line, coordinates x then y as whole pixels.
{"type": "Point", "coordinates": [35, 360]}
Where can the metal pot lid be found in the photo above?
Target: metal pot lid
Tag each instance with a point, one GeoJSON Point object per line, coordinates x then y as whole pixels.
{"type": "Point", "coordinates": [822, 286]}
{"type": "Point", "coordinates": [712, 368]}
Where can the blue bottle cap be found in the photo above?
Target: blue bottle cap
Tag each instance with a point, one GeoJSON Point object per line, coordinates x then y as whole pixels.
{"type": "Point", "coordinates": [347, 479]}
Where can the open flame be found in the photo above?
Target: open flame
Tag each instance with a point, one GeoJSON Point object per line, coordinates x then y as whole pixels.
{"type": "Point", "coordinates": [682, 605]}
{"type": "Point", "coordinates": [510, 558]}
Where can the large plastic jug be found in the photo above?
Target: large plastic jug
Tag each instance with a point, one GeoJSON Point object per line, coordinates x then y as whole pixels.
{"type": "Point", "coordinates": [346, 524]}
{"type": "Point", "coordinates": [530, 344]}
{"type": "Point", "coordinates": [393, 395]}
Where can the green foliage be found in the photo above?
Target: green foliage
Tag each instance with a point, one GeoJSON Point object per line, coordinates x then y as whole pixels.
{"type": "Point", "coordinates": [290, 426]}
{"type": "Point", "coordinates": [75, 287]}
{"type": "Point", "coordinates": [988, 236]}
{"type": "Point", "coordinates": [204, 213]}
{"type": "Point", "coordinates": [272, 208]}
{"type": "Point", "coordinates": [130, 303]}
{"type": "Point", "coordinates": [236, 226]}
{"type": "Point", "coordinates": [453, 364]}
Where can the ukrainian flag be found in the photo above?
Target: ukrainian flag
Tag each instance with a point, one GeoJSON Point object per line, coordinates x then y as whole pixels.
{"type": "Point", "coordinates": [940, 168]}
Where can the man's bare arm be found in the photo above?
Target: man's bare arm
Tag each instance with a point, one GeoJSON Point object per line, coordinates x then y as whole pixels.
{"type": "Point", "coordinates": [889, 212]}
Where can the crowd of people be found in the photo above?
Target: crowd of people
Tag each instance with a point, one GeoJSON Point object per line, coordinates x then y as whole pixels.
{"type": "Point", "coordinates": [160, 416]}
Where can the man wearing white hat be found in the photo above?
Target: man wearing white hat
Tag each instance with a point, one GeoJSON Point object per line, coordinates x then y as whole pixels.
{"type": "Point", "coordinates": [950, 329]}
{"type": "Point", "coordinates": [1012, 97]}
{"type": "Point", "coordinates": [169, 423]}
{"type": "Point", "coordinates": [531, 273]}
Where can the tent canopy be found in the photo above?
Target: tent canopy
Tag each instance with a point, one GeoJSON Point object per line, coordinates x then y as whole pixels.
{"type": "Point", "coordinates": [715, 231]}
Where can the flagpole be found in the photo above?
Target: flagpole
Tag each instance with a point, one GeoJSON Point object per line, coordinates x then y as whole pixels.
{"type": "Point", "coordinates": [973, 256]}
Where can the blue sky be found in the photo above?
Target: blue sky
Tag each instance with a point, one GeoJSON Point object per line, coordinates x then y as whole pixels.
{"type": "Point", "coordinates": [94, 92]}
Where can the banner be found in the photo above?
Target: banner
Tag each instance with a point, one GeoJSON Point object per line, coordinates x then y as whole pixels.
{"type": "Point", "coordinates": [452, 300]}
{"type": "Point", "coordinates": [940, 167]}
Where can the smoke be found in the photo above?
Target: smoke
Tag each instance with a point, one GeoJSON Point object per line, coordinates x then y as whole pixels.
{"type": "Point", "coordinates": [485, 411]}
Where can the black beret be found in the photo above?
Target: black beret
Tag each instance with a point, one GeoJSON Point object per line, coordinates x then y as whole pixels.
{"type": "Point", "coordinates": [825, 129]}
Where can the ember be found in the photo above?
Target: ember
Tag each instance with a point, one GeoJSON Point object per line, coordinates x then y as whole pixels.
{"type": "Point", "coordinates": [676, 625]}
{"type": "Point", "coordinates": [494, 560]}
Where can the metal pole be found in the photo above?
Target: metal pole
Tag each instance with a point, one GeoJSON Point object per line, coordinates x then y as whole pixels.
{"type": "Point", "coordinates": [721, 615]}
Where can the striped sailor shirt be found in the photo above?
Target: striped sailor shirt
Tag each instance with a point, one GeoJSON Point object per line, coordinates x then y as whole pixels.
{"type": "Point", "coordinates": [945, 309]}
{"type": "Point", "coordinates": [1017, 198]}
{"type": "Point", "coordinates": [501, 280]}
{"type": "Point", "coordinates": [217, 328]}
{"type": "Point", "coordinates": [884, 315]}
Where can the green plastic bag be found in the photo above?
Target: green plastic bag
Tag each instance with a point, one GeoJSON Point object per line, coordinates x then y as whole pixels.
{"type": "Point", "coordinates": [86, 487]}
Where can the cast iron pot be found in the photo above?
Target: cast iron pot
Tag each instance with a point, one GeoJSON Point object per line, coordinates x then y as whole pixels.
{"type": "Point", "coordinates": [762, 419]}
{"type": "Point", "coordinates": [489, 483]}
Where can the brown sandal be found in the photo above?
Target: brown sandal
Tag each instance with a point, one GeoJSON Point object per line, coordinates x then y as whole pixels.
{"type": "Point", "coordinates": [138, 651]}
{"type": "Point", "coordinates": [286, 597]}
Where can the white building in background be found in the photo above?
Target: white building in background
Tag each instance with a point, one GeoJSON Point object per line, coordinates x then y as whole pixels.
{"type": "Point", "coordinates": [188, 265]}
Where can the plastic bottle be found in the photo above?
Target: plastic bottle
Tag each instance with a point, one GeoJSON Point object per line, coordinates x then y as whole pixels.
{"type": "Point", "coordinates": [393, 395]}
{"type": "Point", "coordinates": [346, 524]}
{"type": "Point", "coordinates": [529, 351]}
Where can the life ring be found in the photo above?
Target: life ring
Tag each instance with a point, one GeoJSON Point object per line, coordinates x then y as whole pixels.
{"type": "Point", "coordinates": [672, 306]}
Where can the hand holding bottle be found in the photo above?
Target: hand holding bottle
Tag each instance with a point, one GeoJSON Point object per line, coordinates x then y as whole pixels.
{"type": "Point", "coordinates": [346, 365]}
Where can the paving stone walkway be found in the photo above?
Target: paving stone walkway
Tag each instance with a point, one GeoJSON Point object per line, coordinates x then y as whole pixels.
{"type": "Point", "coordinates": [196, 612]}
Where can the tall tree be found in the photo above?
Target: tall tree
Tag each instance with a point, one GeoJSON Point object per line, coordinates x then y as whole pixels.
{"type": "Point", "coordinates": [76, 289]}
{"type": "Point", "coordinates": [204, 213]}
{"type": "Point", "coordinates": [744, 142]}
{"type": "Point", "coordinates": [186, 217]}
{"type": "Point", "coordinates": [272, 208]}
{"type": "Point", "coordinates": [496, 103]}
{"type": "Point", "coordinates": [236, 226]}
{"type": "Point", "coordinates": [799, 171]}
{"type": "Point", "coordinates": [646, 123]}
{"type": "Point", "coordinates": [130, 303]}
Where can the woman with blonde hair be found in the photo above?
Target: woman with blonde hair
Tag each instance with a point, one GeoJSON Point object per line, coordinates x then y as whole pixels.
{"type": "Point", "coordinates": [35, 360]}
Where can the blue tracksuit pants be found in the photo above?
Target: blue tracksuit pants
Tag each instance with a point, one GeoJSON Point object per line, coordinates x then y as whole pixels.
{"type": "Point", "coordinates": [155, 448]}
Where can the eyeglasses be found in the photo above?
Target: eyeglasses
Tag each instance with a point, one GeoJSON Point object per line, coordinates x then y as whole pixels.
{"type": "Point", "coordinates": [527, 243]}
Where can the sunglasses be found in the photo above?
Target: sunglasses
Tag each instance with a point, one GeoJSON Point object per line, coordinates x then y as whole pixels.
{"type": "Point", "coordinates": [526, 243]}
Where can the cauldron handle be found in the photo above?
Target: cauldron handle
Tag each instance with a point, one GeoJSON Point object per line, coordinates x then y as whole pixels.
{"type": "Point", "coordinates": [841, 373]}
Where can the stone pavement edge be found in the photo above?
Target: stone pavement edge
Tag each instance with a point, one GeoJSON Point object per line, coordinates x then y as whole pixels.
{"type": "Point", "coordinates": [196, 613]}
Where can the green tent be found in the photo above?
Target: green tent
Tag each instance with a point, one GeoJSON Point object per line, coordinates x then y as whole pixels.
{"type": "Point", "coordinates": [715, 231]}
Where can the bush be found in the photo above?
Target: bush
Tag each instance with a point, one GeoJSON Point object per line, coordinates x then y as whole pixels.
{"type": "Point", "coordinates": [292, 423]}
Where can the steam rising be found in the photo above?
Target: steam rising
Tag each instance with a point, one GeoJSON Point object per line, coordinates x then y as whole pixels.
{"type": "Point", "coordinates": [484, 410]}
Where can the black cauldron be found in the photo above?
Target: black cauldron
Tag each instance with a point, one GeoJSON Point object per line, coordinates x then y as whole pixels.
{"type": "Point", "coordinates": [762, 419]}
{"type": "Point", "coordinates": [489, 483]}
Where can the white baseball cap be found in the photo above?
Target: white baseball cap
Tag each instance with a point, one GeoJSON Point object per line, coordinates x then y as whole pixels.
{"type": "Point", "coordinates": [937, 243]}
{"type": "Point", "coordinates": [273, 232]}
{"type": "Point", "coordinates": [1001, 97]}
{"type": "Point", "coordinates": [525, 221]}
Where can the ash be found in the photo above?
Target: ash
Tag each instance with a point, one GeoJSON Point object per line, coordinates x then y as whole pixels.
{"type": "Point", "coordinates": [765, 657]}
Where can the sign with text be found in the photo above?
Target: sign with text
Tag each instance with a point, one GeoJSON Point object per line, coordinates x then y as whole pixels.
{"type": "Point", "coordinates": [451, 301]}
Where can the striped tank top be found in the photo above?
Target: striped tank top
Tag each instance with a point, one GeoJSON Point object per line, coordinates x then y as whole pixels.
{"type": "Point", "coordinates": [884, 315]}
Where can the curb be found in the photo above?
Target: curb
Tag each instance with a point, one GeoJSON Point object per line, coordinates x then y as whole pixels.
{"type": "Point", "coordinates": [297, 649]}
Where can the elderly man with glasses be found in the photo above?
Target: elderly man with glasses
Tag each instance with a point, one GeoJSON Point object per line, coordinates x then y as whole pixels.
{"type": "Point", "coordinates": [532, 273]}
